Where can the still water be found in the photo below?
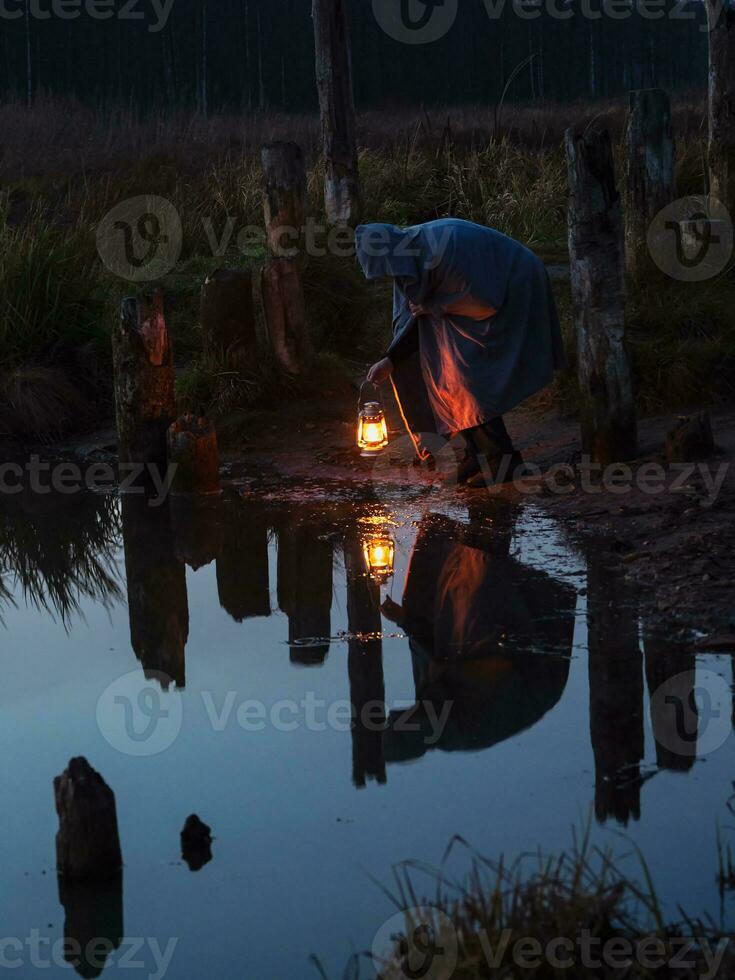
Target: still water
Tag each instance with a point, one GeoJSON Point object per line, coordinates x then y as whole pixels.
{"type": "Point", "coordinates": [239, 663]}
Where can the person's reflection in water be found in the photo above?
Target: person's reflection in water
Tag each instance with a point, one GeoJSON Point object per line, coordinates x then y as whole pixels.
{"type": "Point", "coordinates": [365, 667]}
{"type": "Point", "coordinates": [616, 692]}
{"type": "Point", "coordinates": [93, 923]}
{"type": "Point", "coordinates": [305, 557]}
{"type": "Point", "coordinates": [157, 599]}
{"type": "Point", "coordinates": [490, 639]}
{"type": "Point", "coordinates": [242, 564]}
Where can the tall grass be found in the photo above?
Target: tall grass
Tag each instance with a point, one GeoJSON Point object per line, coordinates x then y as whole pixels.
{"type": "Point", "coordinates": [64, 168]}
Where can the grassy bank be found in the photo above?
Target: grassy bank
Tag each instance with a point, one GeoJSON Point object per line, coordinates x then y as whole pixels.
{"type": "Point", "coordinates": [63, 168]}
{"type": "Point", "coordinates": [578, 914]}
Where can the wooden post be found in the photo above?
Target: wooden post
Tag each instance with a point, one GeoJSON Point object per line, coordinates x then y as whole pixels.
{"type": "Point", "coordinates": [608, 419]}
{"type": "Point", "coordinates": [721, 24]}
{"type": "Point", "coordinates": [337, 105]}
{"type": "Point", "coordinates": [283, 293]}
{"type": "Point", "coordinates": [196, 843]}
{"type": "Point", "coordinates": [143, 367]}
{"type": "Point", "coordinates": [285, 198]}
{"type": "Point", "coordinates": [650, 172]}
{"type": "Point", "coordinates": [87, 842]}
{"type": "Point", "coordinates": [192, 450]}
{"type": "Point", "coordinates": [228, 319]}
{"type": "Point", "coordinates": [305, 559]}
{"type": "Point", "coordinates": [93, 922]}
{"type": "Point", "coordinates": [196, 529]}
{"type": "Point", "coordinates": [285, 314]}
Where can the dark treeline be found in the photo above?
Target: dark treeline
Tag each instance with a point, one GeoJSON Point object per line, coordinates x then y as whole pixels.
{"type": "Point", "coordinates": [235, 54]}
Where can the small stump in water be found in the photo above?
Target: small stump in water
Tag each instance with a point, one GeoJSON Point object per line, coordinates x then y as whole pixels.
{"type": "Point", "coordinates": [88, 842]}
{"type": "Point", "coordinates": [196, 843]}
{"type": "Point", "coordinates": [192, 449]}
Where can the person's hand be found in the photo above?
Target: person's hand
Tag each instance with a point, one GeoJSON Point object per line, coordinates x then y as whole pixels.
{"type": "Point", "coordinates": [392, 611]}
{"type": "Point", "coordinates": [418, 310]}
{"type": "Point", "coordinates": [381, 371]}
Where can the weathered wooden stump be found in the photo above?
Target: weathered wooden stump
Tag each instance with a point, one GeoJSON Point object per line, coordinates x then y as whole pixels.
{"type": "Point", "coordinates": [285, 314]}
{"type": "Point", "coordinates": [192, 449]}
{"type": "Point", "coordinates": [690, 440]}
{"type": "Point", "coordinates": [145, 402]}
{"type": "Point", "coordinates": [721, 24]}
{"type": "Point", "coordinates": [337, 106]}
{"type": "Point", "coordinates": [158, 604]}
{"type": "Point", "coordinates": [227, 316]}
{"type": "Point", "coordinates": [608, 418]}
{"type": "Point", "coordinates": [285, 198]}
{"type": "Point", "coordinates": [196, 843]}
{"type": "Point", "coordinates": [650, 172]}
{"type": "Point", "coordinates": [87, 842]}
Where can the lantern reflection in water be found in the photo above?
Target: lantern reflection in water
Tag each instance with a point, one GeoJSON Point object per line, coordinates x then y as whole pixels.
{"type": "Point", "coordinates": [379, 551]}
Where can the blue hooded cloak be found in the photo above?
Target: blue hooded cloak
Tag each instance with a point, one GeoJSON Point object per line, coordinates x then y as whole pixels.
{"type": "Point", "coordinates": [490, 334]}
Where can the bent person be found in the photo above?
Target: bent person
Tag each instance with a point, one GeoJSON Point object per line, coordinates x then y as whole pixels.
{"type": "Point", "coordinates": [475, 333]}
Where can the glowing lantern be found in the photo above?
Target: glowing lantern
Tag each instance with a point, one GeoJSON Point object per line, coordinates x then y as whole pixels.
{"type": "Point", "coordinates": [380, 552]}
{"type": "Point", "coordinates": [372, 429]}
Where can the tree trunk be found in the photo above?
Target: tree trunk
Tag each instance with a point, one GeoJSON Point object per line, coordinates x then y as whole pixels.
{"type": "Point", "coordinates": [721, 22]}
{"type": "Point", "coordinates": [192, 449]}
{"type": "Point", "coordinates": [650, 176]}
{"type": "Point", "coordinates": [285, 314]}
{"type": "Point", "coordinates": [227, 315]}
{"type": "Point", "coordinates": [87, 842]}
{"type": "Point", "coordinates": [143, 368]}
{"type": "Point", "coordinates": [337, 105]}
{"type": "Point", "coordinates": [285, 198]}
{"type": "Point", "coordinates": [596, 255]}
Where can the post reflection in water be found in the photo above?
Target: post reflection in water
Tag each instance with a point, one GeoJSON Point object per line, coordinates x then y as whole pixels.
{"type": "Point", "coordinates": [489, 638]}
{"type": "Point", "coordinates": [673, 664]}
{"type": "Point", "coordinates": [616, 691]}
{"type": "Point", "coordinates": [242, 564]}
{"type": "Point", "coordinates": [93, 922]}
{"type": "Point", "coordinates": [364, 666]}
{"type": "Point", "coordinates": [305, 559]}
{"type": "Point", "coordinates": [157, 598]}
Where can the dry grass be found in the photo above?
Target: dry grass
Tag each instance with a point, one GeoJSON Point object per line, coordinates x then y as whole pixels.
{"type": "Point", "coordinates": [63, 167]}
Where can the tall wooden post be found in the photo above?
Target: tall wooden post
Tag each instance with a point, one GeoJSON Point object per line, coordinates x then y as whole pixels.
{"type": "Point", "coordinates": [608, 418]}
{"type": "Point", "coordinates": [143, 367]}
{"type": "Point", "coordinates": [285, 198]}
{"type": "Point", "coordinates": [721, 24]}
{"type": "Point", "coordinates": [227, 316]}
{"type": "Point", "coordinates": [283, 293]}
{"type": "Point", "coordinates": [337, 105]}
{"type": "Point", "coordinates": [650, 172]}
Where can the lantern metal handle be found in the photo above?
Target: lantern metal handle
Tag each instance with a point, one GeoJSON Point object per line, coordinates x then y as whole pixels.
{"type": "Point", "coordinates": [360, 402]}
